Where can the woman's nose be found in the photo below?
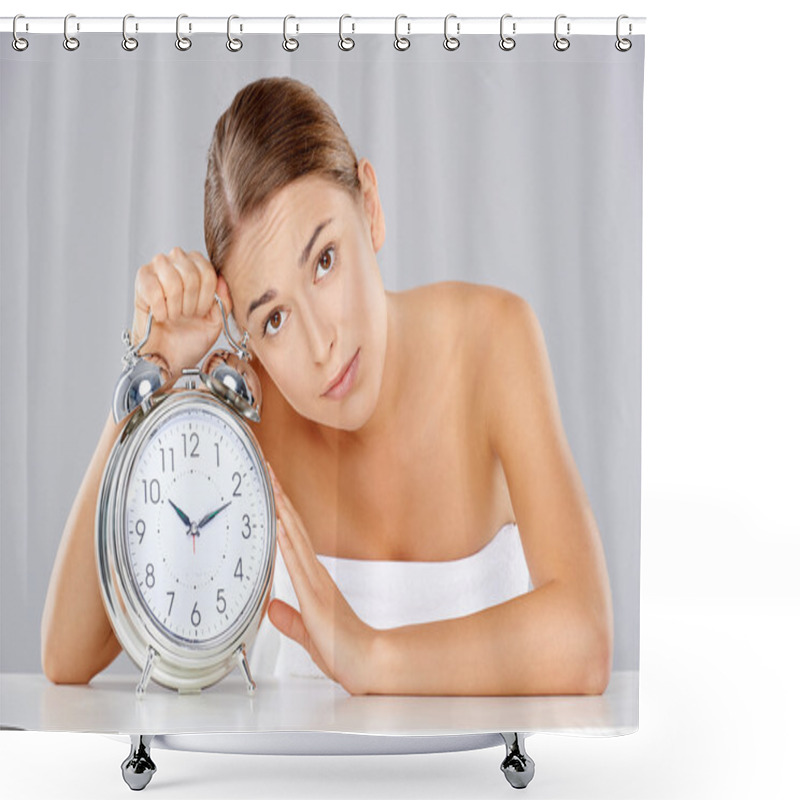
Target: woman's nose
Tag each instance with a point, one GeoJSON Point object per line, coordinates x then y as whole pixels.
{"type": "Point", "coordinates": [321, 337]}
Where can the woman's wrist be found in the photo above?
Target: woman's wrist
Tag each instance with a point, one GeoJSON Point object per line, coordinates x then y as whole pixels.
{"type": "Point", "coordinates": [377, 664]}
{"type": "Point", "coordinates": [364, 673]}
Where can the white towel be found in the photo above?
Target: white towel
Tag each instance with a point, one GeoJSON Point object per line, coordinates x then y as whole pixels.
{"type": "Point", "coordinates": [389, 594]}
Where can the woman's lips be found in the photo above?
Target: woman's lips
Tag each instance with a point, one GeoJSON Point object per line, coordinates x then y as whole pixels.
{"type": "Point", "coordinates": [346, 381]}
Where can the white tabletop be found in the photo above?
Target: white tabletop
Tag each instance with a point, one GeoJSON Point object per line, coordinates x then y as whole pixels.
{"type": "Point", "coordinates": [108, 705]}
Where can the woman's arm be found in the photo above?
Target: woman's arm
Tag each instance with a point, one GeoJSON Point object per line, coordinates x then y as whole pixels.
{"type": "Point", "coordinates": [537, 644]}
{"type": "Point", "coordinates": [558, 638]}
{"type": "Point", "coordinates": [77, 639]}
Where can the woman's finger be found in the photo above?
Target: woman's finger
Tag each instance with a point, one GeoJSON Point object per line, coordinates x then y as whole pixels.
{"type": "Point", "coordinates": [314, 574]}
{"type": "Point", "coordinates": [290, 623]}
{"type": "Point", "coordinates": [297, 530]}
{"type": "Point", "coordinates": [172, 285]}
{"type": "Point", "coordinates": [299, 572]}
{"type": "Point", "coordinates": [208, 283]}
{"type": "Point", "coordinates": [149, 296]}
{"type": "Point", "coordinates": [190, 276]}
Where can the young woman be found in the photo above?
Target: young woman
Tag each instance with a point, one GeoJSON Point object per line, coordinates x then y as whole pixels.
{"type": "Point", "coordinates": [412, 436]}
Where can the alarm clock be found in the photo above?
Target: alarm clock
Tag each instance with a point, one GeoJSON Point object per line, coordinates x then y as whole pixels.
{"type": "Point", "coordinates": [186, 525]}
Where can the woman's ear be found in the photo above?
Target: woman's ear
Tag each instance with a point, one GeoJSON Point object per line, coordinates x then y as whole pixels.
{"type": "Point", "coordinates": [224, 293]}
{"type": "Point", "coordinates": [371, 203]}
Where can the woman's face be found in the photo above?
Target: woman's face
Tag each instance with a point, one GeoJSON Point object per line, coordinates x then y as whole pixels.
{"type": "Point", "coordinates": [305, 283]}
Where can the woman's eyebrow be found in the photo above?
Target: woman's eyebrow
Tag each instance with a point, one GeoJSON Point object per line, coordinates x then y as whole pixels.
{"type": "Point", "coordinates": [270, 293]}
{"type": "Point", "coordinates": [307, 250]}
{"type": "Point", "coordinates": [265, 298]}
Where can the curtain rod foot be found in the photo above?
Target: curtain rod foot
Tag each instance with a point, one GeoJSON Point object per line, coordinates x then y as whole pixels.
{"type": "Point", "coordinates": [138, 768]}
{"type": "Point", "coordinates": [517, 766]}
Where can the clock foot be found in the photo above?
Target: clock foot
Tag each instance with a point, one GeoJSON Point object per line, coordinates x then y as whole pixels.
{"type": "Point", "coordinates": [138, 768]}
{"type": "Point", "coordinates": [152, 655]}
{"type": "Point", "coordinates": [518, 766]}
{"type": "Point", "coordinates": [241, 660]}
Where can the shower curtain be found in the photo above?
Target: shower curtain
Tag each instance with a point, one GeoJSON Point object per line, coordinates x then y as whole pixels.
{"type": "Point", "coordinates": [502, 172]}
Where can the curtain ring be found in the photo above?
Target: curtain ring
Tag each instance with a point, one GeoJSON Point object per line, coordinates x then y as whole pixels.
{"type": "Point", "coordinates": [233, 44]}
{"type": "Point", "coordinates": [128, 42]}
{"type": "Point", "coordinates": [451, 42]}
{"type": "Point", "coordinates": [623, 45]}
{"type": "Point", "coordinates": [345, 42]}
{"type": "Point", "coordinates": [289, 44]}
{"type": "Point", "coordinates": [181, 42]}
{"type": "Point", "coordinates": [400, 42]}
{"type": "Point", "coordinates": [561, 43]}
{"type": "Point", "coordinates": [70, 42]}
{"type": "Point", "coordinates": [18, 43]}
{"type": "Point", "coordinates": [507, 42]}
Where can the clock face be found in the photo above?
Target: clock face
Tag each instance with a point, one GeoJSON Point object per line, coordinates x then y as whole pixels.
{"type": "Point", "coordinates": [195, 515]}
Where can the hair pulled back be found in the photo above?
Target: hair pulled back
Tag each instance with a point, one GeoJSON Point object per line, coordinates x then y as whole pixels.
{"type": "Point", "coordinates": [275, 131]}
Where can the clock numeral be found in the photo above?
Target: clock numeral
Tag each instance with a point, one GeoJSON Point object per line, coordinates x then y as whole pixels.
{"type": "Point", "coordinates": [140, 529]}
{"type": "Point", "coordinates": [153, 495]}
{"type": "Point", "coordinates": [171, 601]}
{"type": "Point", "coordinates": [237, 479]}
{"type": "Point", "coordinates": [190, 445]}
{"type": "Point", "coordinates": [221, 599]}
{"type": "Point", "coordinates": [195, 615]}
{"type": "Point", "coordinates": [237, 573]}
{"type": "Point", "coordinates": [246, 533]}
{"type": "Point", "coordinates": [164, 459]}
{"type": "Point", "coordinates": [150, 576]}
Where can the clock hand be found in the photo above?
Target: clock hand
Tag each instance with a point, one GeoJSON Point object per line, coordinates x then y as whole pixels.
{"type": "Point", "coordinates": [208, 517]}
{"type": "Point", "coordinates": [184, 519]}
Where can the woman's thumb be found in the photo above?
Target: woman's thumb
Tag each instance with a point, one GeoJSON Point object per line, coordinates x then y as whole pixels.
{"type": "Point", "coordinates": [283, 617]}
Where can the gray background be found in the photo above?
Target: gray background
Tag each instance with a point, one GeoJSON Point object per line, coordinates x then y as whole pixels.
{"type": "Point", "coordinates": [519, 169]}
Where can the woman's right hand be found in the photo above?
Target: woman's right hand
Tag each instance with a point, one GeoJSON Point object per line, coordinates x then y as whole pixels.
{"type": "Point", "coordinates": [179, 289]}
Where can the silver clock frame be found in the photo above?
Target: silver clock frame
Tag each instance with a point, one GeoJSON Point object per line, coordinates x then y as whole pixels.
{"type": "Point", "coordinates": [170, 660]}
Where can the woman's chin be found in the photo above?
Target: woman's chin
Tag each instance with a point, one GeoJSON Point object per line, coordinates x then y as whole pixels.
{"type": "Point", "coordinates": [346, 419]}
{"type": "Point", "coordinates": [350, 413]}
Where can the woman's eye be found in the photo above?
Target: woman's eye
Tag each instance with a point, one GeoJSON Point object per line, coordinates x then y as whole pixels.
{"type": "Point", "coordinates": [274, 323]}
{"type": "Point", "coordinates": [325, 263]}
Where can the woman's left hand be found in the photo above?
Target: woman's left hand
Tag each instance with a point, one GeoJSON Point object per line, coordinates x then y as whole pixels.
{"type": "Point", "coordinates": [339, 643]}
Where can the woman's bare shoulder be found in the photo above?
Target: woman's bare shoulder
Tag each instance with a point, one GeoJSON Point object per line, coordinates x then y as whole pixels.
{"type": "Point", "coordinates": [469, 322]}
{"type": "Point", "coordinates": [459, 303]}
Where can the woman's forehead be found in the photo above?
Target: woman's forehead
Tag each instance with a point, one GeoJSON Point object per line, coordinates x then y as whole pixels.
{"type": "Point", "coordinates": [281, 231]}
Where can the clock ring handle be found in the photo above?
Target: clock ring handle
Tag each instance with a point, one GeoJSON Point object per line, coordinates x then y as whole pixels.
{"type": "Point", "coordinates": [141, 377]}
{"type": "Point", "coordinates": [133, 349]}
{"type": "Point", "coordinates": [240, 348]}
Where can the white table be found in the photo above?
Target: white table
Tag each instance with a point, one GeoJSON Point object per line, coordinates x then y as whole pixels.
{"type": "Point", "coordinates": [108, 705]}
{"type": "Point", "coordinates": [309, 717]}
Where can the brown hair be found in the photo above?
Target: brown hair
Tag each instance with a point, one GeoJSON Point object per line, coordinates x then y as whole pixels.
{"type": "Point", "coordinates": [274, 131]}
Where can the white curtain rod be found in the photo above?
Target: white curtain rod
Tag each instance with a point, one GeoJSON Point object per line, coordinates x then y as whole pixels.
{"type": "Point", "coordinates": [407, 26]}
